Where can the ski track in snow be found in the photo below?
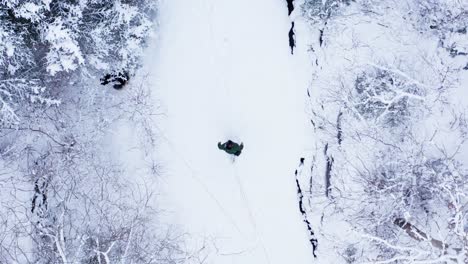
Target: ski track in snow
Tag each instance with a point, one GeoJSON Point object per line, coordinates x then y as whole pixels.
{"type": "Point", "coordinates": [223, 70]}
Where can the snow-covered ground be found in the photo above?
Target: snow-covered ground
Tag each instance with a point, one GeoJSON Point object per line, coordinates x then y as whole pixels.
{"type": "Point", "coordinates": [223, 70]}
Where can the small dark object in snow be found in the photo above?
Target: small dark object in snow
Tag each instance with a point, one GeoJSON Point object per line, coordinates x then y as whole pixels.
{"type": "Point", "coordinates": [321, 37]}
{"type": "Point", "coordinates": [321, 33]}
{"type": "Point", "coordinates": [119, 79]}
{"type": "Point", "coordinates": [290, 6]}
{"type": "Point", "coordinates": [300, 195]}
{"type": "Point", "coordinates": [231, 147]}
{"type": "Point", "coordinates": [292, 38]}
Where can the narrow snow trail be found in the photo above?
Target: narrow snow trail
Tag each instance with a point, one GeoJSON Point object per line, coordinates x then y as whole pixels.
{"type": "Point", "coordinates": [224, 71]}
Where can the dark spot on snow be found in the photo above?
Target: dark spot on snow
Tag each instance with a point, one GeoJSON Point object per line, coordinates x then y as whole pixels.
{"type": "Point", "coordinates": [455, 52]}
{"type": "Point", "coordinates": [312, 238]}
{"type": "Point", "coordinates": [40, 191]}
{"type": "Point", "coordinates": [118, 79]}
{"type": "Point", "coordinates": [292, 38]}
{"type": "Point", "coordinates": [290, 6]}
{"type": "Point", "coordinates": [328, 170]}
{"type": "Point", "coordinates": [339, 134]}
{"type": "Point", "coordinates": [321, 37]}
{"type": "Point", "coordinates": [311, 179]}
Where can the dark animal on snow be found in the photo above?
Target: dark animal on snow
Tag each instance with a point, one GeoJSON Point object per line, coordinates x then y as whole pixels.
{"type": "Point", "coordinates": [292, 38]}
{"type": "Point", "coordinates": [119, 79]}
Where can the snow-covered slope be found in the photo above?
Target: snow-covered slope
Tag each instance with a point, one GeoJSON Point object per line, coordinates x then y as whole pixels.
{"type": "Point", "coordinates": [223, 71]}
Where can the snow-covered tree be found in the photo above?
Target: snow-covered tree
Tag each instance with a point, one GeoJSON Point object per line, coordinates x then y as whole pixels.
{"type": "Point", "coordinates": [47, 42]}
{"type": "Point", "coordinates": [66, 196]}
{"type": "Point", "coordinates": [70, 198]}
{"type": "Point", "coordinates": [391, 133]}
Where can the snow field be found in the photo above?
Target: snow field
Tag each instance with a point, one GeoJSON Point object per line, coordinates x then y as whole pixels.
{"type": "Point", "coordinates": [224, 71]}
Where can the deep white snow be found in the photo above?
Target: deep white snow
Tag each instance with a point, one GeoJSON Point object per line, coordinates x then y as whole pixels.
{"type": "Point", "coordinates": [223, 70]}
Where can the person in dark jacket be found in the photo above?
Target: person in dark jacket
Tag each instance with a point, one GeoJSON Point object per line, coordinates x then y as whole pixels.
{"type": "Point", "coordinates": [231, 147]}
